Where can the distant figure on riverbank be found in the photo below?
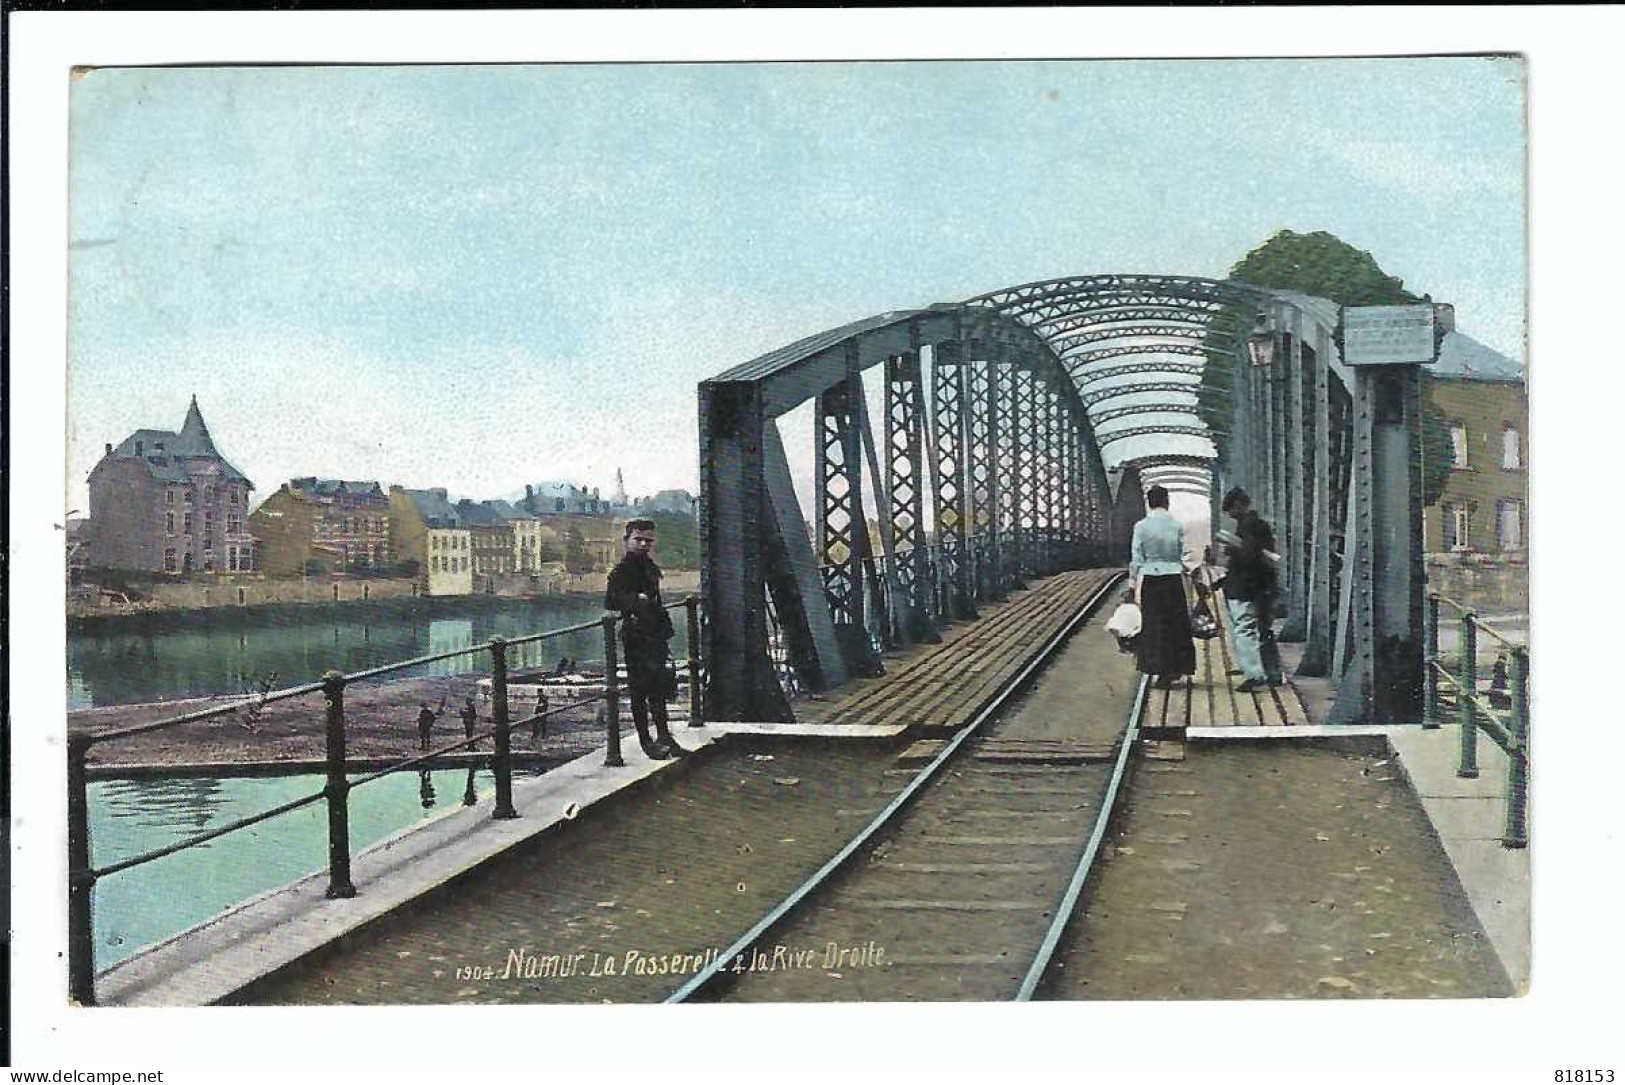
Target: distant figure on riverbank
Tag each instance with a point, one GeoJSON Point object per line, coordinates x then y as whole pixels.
{"type": "Point", "coordinates": [538, 725]}
{"type": "Point", "coordinates": [471, 716]}
{"type": "Point", "coordinates": [426, 718]}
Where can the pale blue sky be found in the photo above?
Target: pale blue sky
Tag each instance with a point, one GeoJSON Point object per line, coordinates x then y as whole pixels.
{"type": "Point", "coordinates": [475, 277]}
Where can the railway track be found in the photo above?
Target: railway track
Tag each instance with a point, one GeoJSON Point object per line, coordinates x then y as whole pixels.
{"type": "Point", "coordinates": [960, 886]}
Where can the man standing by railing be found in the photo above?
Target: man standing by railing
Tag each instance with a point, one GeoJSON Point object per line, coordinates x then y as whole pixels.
{"type": "Point", "coordinates": [634, 592]}
{"type": "Point", "coordinates": [1249, 592]}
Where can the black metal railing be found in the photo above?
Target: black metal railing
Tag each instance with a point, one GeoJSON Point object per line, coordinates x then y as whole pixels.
{"type": "Point", "coordinates": [83, 877]}
{"type": "Point", "coordinates": [1503, 714]}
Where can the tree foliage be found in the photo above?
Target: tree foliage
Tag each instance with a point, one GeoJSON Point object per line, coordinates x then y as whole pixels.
{"type": "Point", "coordinates": [1323, 265]}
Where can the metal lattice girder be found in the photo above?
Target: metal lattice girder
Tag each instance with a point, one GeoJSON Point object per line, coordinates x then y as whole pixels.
{"type": "Point", "coordinates": [982, 424]}
{"type": "Point", "coordinates": [1107, 318]}
{"type": "Point", "coordinates": [842, 531]}
{"type": "Point", "coordinates": [1139, 369]}
{"type": "Point", "coordinates": [905, 466]}
{"type": "Point", "coordinates": [1117, 391]}
{"type": "Point", "coordinates": [1038, 296]}
{"type": "Point", "coordinates": [1032, 468]}
{"type": "Point", "coordinates": [949, 401]}
{"type": "Point", "coordinates": [1080, 360]}
{"type": "Point", "coordinates": [1063, 343]}
{"type": "Point", "coordinates": [1007, 468]}
{"type": "Point", "coordinates": [1114, 413]}
{"type": "Point", "coordinates": [1151, 431]}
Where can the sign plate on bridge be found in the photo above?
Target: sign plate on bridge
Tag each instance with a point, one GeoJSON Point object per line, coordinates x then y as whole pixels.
{"type": "Point", "coordinates": [1388, 334]}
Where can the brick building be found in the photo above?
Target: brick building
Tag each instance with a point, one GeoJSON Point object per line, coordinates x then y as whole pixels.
{"type": "Point", "coordinates": [491, 539]}
{"type": "Point", "coordinates": [323, 525]}
{"type": "Point", "coordinates": [1476, 535]}
{"type": "Point", "coordinates": [168, 502]}
{"type": "Point", "coordinates": [425, 528]}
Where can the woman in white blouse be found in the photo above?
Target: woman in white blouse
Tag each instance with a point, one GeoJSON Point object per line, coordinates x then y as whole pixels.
{"type": "Point", "coordinates": [1156, 568]}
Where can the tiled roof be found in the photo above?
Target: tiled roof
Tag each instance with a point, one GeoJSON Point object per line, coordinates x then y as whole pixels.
{"type": "Point", "coordinates": [1461, 357]}
{"type": "Point", "coordinates": [163, 451]}
{"type": "Point", "coordinates": [433, 507]}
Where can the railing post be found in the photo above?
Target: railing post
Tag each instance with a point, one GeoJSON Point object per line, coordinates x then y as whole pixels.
{"type": "Point", "coordinates": [1517, 827]}
{"type": "Point", "coordinates": [339, 885]}
{"type": "Point", "coordinates": [502, 739]}
{"type": "Point", "coordinates": [81, 884]}
{"type": "Point", "coordinates": [1430, 659]}
{"type": "Point", "coordinates": [612, 696]}
{"type": "Point", "coordinates": [1466, 690]}
{"type": "Point", "coordinates": [695, 697]}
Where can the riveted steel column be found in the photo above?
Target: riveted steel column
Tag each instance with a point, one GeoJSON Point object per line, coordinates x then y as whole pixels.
{"type": "Point", "coordinates": [953, 497]}
{"type": "Point", "coordinates": [1295, 625]}
{"type": "Point", "coordinates": [1317, 652]}
{"type": "Point", "coordinates": [732, 543]}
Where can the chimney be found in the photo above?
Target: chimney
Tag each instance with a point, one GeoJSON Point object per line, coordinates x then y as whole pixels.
{"type": "Point", "coordinates": [109, 452]}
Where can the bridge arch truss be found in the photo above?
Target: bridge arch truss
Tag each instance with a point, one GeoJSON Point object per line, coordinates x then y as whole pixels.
{"type": "Point", "coordinates": [989, 465]}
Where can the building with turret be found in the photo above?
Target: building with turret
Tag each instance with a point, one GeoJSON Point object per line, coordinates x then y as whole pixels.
{"type": "Point", "coordinates": [169, 502]}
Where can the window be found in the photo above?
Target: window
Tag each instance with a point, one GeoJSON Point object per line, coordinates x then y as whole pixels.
{"type": "Point", "coordinates": [1509, 524]}
{"type": "Point", "coordinates": [169, 523]}
{"type": "Point", "coordinates": [234, 495]}
{"type": "Point", "coordinates": [186, 523]}
{"type": "Point", "coordinates": [169, 497]}
{"type": "Point", "coordinates": [1455, 526]}
{"type": "Point", "coordinates": [245, 559]}
{"type": "Point", "coordinates": [231, 559]}
{"type": "Point", "coordinates": [1458, 445]}
{"type": "Point", "coordinates": [208, 493]}
{"type": "Point", "coordinates": [234, 524]}
{"type": "Point", "coordinates": [186, 495]}
{"type": "Point", "coordinates": [169, 560]}
{"type": "Point", "coordinates": [1511, 449]}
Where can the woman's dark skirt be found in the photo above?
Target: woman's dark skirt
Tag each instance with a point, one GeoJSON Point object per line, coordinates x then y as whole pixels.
{"type": "Point", "coordinates": [1164, 645]}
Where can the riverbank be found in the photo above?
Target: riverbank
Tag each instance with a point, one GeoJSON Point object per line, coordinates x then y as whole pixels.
{"type": "Point", "coordinates": [88, 604]}
{"type": "Point", "coordinates": [380, 725]}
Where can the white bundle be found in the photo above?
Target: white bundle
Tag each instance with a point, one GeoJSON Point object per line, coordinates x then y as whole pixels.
{"type": "Point", "coordinates": [1125, 621]}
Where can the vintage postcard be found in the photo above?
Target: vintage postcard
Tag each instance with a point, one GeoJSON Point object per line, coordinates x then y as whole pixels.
{"type": "Point", "coordinates": [924, 531]}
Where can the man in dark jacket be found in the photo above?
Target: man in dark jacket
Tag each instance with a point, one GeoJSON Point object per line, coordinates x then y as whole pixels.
{"type": "Point", "coordinates": [634, 592]}
{"type": "Point", "coordinates": [1249, 592]}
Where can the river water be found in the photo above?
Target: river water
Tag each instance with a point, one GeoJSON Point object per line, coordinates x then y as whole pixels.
{"type": "Point", "coordinates": [135, 659]}
{"type": "Point", "coordinates": [145, 904]}
{"type": "Point", "coordinates": [138, 659]}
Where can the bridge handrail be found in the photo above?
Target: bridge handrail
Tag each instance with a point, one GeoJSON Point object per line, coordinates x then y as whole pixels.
{"type": "Point", "coordinates": [82, 876]}
{"type": "Point", "coordinates": [1475, 713]}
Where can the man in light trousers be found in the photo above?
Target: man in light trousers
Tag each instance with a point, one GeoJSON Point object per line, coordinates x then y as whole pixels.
{"type": "Point", "coordinates": [1249, 592]}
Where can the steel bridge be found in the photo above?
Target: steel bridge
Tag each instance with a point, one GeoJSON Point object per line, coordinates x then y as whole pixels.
{"type": "Point", "coordinates": [1016, 431]}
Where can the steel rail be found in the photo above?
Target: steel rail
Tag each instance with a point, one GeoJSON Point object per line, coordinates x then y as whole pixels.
{"type": "Point", "coordinates": [1074, 889]}
{"type": "Point", "coordinates": [803, 892]}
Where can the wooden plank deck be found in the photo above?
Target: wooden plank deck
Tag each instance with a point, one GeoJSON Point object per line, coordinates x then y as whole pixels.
{"type": "Point", "coordinates": [942, 686]}
{"type": "Point", "coordinates": [1211, 695]}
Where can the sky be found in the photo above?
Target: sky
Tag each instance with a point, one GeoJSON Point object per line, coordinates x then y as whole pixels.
{"type": "Point", "coordinates": [481, 276]}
